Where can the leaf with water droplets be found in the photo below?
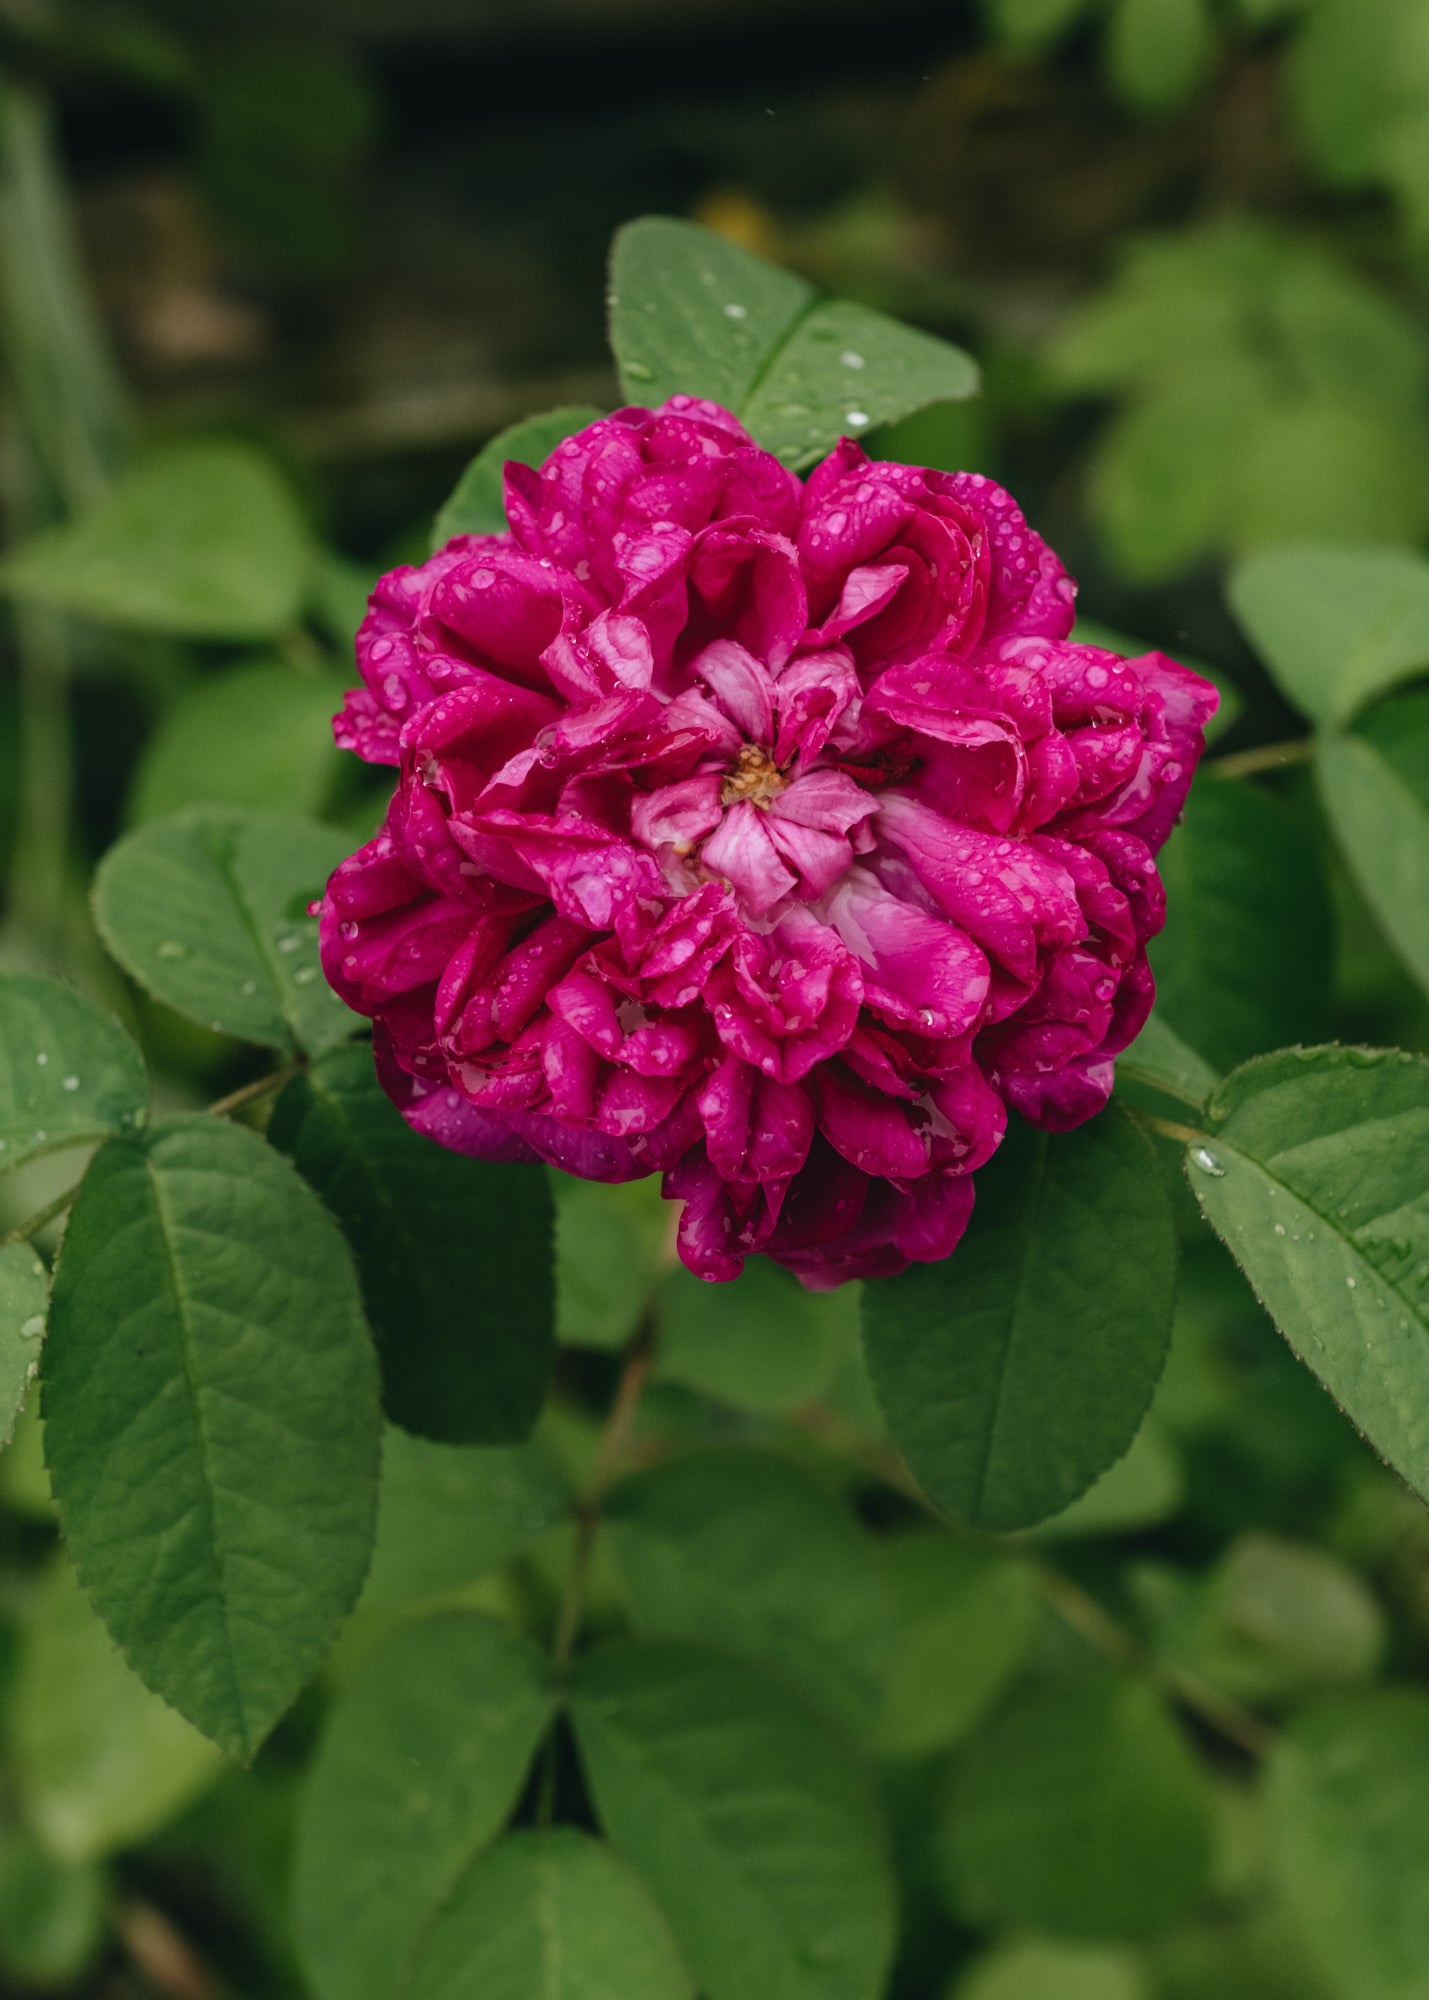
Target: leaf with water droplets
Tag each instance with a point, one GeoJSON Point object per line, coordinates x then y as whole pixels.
{"type": "Point", "coordinates": [67, 1072]}
{"type": "Point", "coordinates": [477, 504]}
{"type": "Point", "coordinates": [1320, 1189]}
{"type": "Point", "coordinates": [208, 911]}
{"type": "Point", "coordinates": [211, 1419]}
{"type": "Point", "coordinates": [1018, 1370]}
{"type": "Point", "coordinates": [24, 1300]}
{"type": "Point", "coordinates": [693, 314]}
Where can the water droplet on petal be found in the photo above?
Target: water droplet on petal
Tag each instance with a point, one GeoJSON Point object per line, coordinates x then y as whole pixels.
{"type": "Point", "coordinates": [1205, 1159]}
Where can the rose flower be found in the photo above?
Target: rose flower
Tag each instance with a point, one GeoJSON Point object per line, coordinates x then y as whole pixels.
{"type": "Point", "coordinates": [770, 836]}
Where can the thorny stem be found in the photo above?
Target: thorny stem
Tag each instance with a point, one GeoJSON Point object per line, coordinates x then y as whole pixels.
{"type": "Point", "coordinates": [1264, 757]}
{"type": "Point", "coordinates": [222, 1107]}
{"type": "Point", "coordinates": [1075, 1606]}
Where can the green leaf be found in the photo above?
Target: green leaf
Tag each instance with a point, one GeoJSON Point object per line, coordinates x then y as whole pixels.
{"type": "Point", "coordinates": [205, 541]}
{"type": "Point", "coordinates": [1351, 1840]}
{"type": "Point", "coordinates": [1158, 51]}
{"type": "Point", "coordinates": [1080, 1809]}
{"type": "Point", "coordinates": [454, 1254]}
{"type": "Point", "coordinates": [24, 1301]}
{"type": "Point", "coordinates": [1015, 1372]}
{"type": "Point", "coordinates": [257, 736]}
{"type": "Point", "coordinates": [52, 1913]}
{"type": "Point", "coordinates": [693, 314]}
{"type": "Point", "coordinates": [211, 1419]}
{"type": "Point", "coordinates": [1140, 1491]}
{"type": "Point", "coordinates": [965, 1617]}
{"type": "Point", "coordinates": [758, 1836]}
{"type": "Point", "coordinates": [1244, 963]}
{"type": "Point", "coordinates": [608, 1242]}
{"type": "Point", "coordinates": [1163, 469]}
{"type": "Point", "coordinates": [477, 505]}
{"type": "Point", "coordinates": [1036, 1971]}
{"type": "Point", "coordinates": [672, 286]}
{"type": "Point", "coordinates": [1336, 626]}
{"type": "Point", "coordinates": [1160, 1058]}
{"type": "Point", "coordinates": [549, 1916]}
{"type": "Point", "coordinates": [68, 1074]}
{"type": "Point", "coordinates": [761, 1342]}
{"type": "Point", "coordinates": [1274, 1620]}
{"type": "Point", "coordinates": [208, 912]}
{"type": "Point", "coordinates": [743, 1550]}
{"type": "Point", "coordinates": [421, 1763]}
{"type": "Point", "coordinates": [1314, 1180]}
{"type": "Point", "coordinates": [101, 1763]}
{"type": "Point", "coordinates": [841, 370]}
{"type": "Point", "coordinates": [451, 1513]}
{"type": "Point", "coordinates": [1374, 780]}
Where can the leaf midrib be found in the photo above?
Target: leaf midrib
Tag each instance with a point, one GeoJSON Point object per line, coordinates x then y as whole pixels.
{"type": "Point", "coordinates": [1037, 1185]}
{"type": "Point", "coordinates": [188, 1357]}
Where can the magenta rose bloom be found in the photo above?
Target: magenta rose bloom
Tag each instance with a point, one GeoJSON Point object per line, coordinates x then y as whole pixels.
{"type": "Point", "coordinates": [773, 837]}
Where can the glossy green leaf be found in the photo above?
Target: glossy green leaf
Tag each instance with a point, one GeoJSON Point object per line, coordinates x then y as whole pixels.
{"type": "Point", "coordinates": [208, 911]}
{"type": "Point", "coordinates": [258, 737]}
{"type": "Point", "coordinates": [68, 1073]}
{"type": "Point", "coordinates": [101, 1763]}
{"type": "Point", "coordinates": [1336, 626]}
{"type": "Point", "coordinates": [759, 1837]}
{"type": "Point", "coordinates": [1158, 51]}
{"type": "Point", "coordinates": [1244, 962]}
{"type": "Point", "coordinates": [1313, 1177]}
{"type": "Point", "coordinates": [760, 1342]}
{"type": "Point", "coordinates": [741, 1549]}
{"type": "Point", "coordinates": [1160, 1058]}
{"type": "Point", "coordinates": [1374, 780]}
{"type": "Point", "coordinates": [24, 1302]}
{"type": "Point", "coordinates": [204, 541]}
{"type": "Point", "coordinates": [965, 1615]}
{"type": "Point", "coordinates": [1037, 1971]}
{"type": "Point", "coordinates": [693, 314]}
{"type": "Point", "coordinates": [1351, 1840]}
{"type": "Point", "coordinates": [1015, 1372]}
{"type": "Point", "coordinates": [211, 1419]}
{"type": "Point", "coordinates": [52, 1914]}
{"type": "Point", "coordinates": [477, 505]}
{"type": "Point", "coordinates": [1080, 1809]}
{"type": "Point", "coordinates": [454, 1254]}
{"type": "Point", "coordinates": [841, 370]}
{"type": "Point", "coordinates": [451, 1513]}
{"type": "Point", "coordinates": [420, 1766]}
{"type": "Point", "coordinates": [549, 1916]}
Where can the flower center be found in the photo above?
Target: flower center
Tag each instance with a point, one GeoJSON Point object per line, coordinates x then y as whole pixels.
{"type": "Point", "coordinates": [755, 777]}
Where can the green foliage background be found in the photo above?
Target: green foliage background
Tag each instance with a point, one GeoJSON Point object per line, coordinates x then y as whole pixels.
{"type": "Point", "coordinates": [956, 1641]}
